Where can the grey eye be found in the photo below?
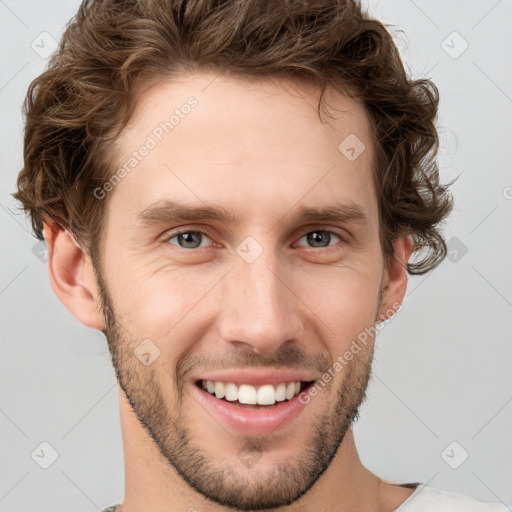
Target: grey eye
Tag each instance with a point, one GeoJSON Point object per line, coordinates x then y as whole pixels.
{"type": "Point", "coordinates": [320, 238]}
{"type": "Point", "coordinates": [188, 239]}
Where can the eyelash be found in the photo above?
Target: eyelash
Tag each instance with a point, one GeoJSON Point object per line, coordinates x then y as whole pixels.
{"type": "Point", "coordinates": [171, 235]}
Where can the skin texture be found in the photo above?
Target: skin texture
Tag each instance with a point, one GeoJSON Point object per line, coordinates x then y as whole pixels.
{"type": "Point", "coordinates": [258, 149]}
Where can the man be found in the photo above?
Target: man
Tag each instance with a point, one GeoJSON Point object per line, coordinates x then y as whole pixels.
{"type": "Point", "coordinates": [236, 243]}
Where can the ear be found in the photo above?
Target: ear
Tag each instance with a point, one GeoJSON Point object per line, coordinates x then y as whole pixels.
{"type": "Point", "coordinates": [72, 276]}
{"type": "Point", "coordinates": [395, 278]}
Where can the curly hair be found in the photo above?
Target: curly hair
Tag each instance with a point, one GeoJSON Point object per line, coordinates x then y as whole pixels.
{"type": "Point", "coordinates": [78, 106]}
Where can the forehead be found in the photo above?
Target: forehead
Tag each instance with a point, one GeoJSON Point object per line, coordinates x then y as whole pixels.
{"type": "Point", "coordinates": [242, 141]}
{"type": "Point", "coordinates": [267, 108]}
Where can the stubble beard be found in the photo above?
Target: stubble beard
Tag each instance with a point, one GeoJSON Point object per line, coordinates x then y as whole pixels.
{"type": "Point", "coordinates": [229, 484]}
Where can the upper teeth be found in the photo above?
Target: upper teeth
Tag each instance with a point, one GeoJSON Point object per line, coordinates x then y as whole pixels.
{"type": "Point", "coordinates": [247, 394]}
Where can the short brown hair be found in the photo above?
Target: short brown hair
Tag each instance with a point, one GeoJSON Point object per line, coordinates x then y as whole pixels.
{"type": "Point", "coordinates": [111, 48]}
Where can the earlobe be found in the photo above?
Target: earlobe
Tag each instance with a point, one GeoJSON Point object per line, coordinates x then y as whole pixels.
{"type": "Point", "coordinates": [72, 277]}
{"type": "Point", "coordinates": [395, 278]}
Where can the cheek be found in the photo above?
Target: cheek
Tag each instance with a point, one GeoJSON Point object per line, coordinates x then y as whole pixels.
{"type": "Point", "coordinates": [345, 299]}
{"type": "Point", "coordinates": [165, 306]}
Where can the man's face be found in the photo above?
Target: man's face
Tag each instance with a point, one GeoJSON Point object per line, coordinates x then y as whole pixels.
{"type": "Point", "coordinates": [266, 298]}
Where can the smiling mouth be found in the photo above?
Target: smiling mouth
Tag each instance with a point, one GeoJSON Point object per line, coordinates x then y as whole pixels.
{"type": "Point", "coordinates": [247, 396]}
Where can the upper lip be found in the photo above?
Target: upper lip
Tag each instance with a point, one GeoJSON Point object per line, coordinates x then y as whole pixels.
{"type": "Point", "coordinates": [257, 377]}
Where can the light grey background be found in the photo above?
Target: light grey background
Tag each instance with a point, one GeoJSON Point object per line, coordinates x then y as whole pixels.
{"type": "Point", "coordinates": [442, 369]}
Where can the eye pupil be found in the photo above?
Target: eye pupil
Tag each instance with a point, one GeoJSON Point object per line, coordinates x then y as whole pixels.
{"type": "Point", "coordinates": [190, 237]}
{"type": "Point", "coordinates": [322, 237]}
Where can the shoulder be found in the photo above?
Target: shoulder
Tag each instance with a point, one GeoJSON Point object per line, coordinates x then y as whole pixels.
{"type": "Point", "coordinates": [431, 499]}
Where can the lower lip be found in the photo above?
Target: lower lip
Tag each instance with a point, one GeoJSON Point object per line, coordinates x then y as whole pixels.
{"type": "Point", "coordinates": [251, 421]}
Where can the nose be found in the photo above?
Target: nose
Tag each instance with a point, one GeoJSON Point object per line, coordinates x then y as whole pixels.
{"type": "Point", "coordinates": [261, 311]}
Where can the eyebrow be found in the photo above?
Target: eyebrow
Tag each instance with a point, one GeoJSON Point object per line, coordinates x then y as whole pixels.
{"type": "Point", "coordinates": [167, 211]}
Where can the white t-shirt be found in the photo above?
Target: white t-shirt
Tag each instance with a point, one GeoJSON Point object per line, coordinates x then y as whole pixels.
{"type": "Point", "coordinates": [430, 499]}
